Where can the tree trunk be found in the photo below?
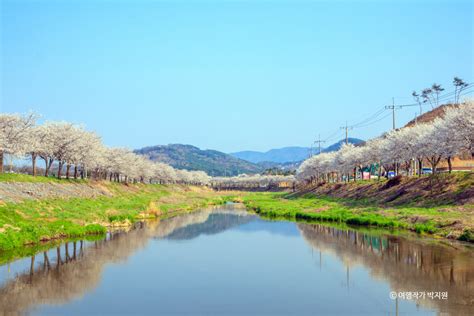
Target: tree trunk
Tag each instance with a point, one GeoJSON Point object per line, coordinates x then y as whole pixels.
{"type": "Point", "coordinates": [68, 166]}
{"type": "Point", "coordinates": [33, 162]}
{"type": "Point", "coordinates": [45, 167]}
{"type": "Point", "coordinates": [51, 160]}
{"type": "Point", "coordinates": [75, 172]}
{"type": "Point", "coordinates": [408, 167]}
{"type": "Point", "coordinates": [47, 163]}
{"type": "Point", "coordinates": [450, 165]}
{"type": "Point", "coordinates": [46, 260]}
{"type": "Point", "coordinates": [32, 265]}
{"type": "Point", "coordinates": [60, 168]}
{"type": "Point", "coordinates": [434, 162]}
{"type": "Point", "coordinates": [58, 257]}
{"type": "Point", "coordinates": [420, 167]}
{"type": "Point", "coordinates": [1, 161]}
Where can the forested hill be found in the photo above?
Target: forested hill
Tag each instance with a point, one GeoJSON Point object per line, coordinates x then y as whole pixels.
{"type": "Point", "coordinates": [213, 162]}
{"type": "Point", "coordinates": [216, 163]}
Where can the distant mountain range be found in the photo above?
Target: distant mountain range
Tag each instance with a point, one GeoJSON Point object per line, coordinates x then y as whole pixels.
{"type": "Point", "coordinates": [280, 155]}
{"type": "Point", "coordinates": [288, 154]}
{"type": "Point", "coordinates": [216, 163]}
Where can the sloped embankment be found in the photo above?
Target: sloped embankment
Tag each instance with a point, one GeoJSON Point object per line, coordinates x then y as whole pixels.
{"type": "Point", "coordinates": [19, 191]}
{"type": "Point", "coordinates": [441, 189]}
{"type": "Point", "coordinates": [41, 209]}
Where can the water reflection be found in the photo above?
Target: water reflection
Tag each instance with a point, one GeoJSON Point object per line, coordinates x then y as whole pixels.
{"type": "Point", "coordinates": [74, 268]}
{"type": "Point", "coordinates": [68, 272]}
{"type": "Point", "coordinates": [214, 223]}
{"type": "Point", "coordinates": [408, 265]}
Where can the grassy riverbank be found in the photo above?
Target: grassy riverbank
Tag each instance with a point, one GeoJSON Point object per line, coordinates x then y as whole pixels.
{"type": "Point", "coordinates": [38, 209]}
{"type": "Point", "coordinates": [441, 204]}
{"type": "Point", "coordinates": [32, 221]}
{"type": "Point", "coordinates": [452, 221]}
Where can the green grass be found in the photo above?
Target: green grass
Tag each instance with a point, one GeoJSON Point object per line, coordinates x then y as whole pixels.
{"type": "Point", "coordinates": [15, 177]}
{"type": "Point", "coordinates": [423, 220]}
{"type": "Point", "coordinates": [33, 221]}
{"type": "Point", "coordinates": [29, 233]}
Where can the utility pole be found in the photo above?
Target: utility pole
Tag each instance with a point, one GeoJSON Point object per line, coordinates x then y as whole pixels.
{"type": "Point", "coordinates": [393, 112]}
{"type": "Point", "coordinates": [319, 141]}
{"type": "Point", "coordinates": [346, 128]}
{"type": "Point", "coordinates": [393, 107]}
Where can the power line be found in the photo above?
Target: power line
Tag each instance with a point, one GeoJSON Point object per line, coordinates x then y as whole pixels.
{"type": "Point", "coordinates": [393, 107]}
{"type": "Point", "coordinates": [376, 116]}
{"type": "Point", "coordinates": [336, 133]}
{"type": "Point", "coordinates": [373, 116]}
{"type": "Point", "coordinates": [373, 122]}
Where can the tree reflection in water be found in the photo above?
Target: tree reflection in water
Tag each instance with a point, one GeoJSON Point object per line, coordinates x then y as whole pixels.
{"type": "Point", "coordinates": [408, 265]}
{"type": "Point", "coordinates": [78, 269]}
{"type": "Point", "coordinates": [75, 268]}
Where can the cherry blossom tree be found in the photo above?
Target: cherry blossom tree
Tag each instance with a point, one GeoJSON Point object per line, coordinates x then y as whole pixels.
{"type": "Point", "coordinates": [14, 132]}
{"type": "Point", "coordinates": [444, 138]}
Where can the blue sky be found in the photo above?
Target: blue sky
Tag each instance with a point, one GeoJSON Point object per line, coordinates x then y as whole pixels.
{"type": "Point", "coordinates": [228, 75]}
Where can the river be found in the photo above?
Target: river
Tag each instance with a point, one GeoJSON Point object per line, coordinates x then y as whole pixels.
{"type": "Point", "coordinates": [225, 261]}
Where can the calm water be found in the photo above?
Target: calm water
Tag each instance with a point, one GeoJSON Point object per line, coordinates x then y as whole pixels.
{"type": "Point", "coordinates": [228, 262]}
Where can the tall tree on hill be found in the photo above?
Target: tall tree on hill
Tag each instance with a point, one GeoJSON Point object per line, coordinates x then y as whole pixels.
{"type": "Point", "coordinates": [459, 86]}
{"type": "Point", "coordinates": [427, 95]}
{"type": "Point", "coordinates": [436, 88]}
{"type": "Point", "coordinates": [416, 96]}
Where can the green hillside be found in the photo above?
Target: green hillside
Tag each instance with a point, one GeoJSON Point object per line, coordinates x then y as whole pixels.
{"type": "Point", "coordinates": [188, 157]}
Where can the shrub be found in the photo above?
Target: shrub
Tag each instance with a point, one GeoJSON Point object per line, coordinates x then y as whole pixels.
{"type": "Point", "coordinates": [392, 182]}
{"type": "Point", "coordinates": [121, 218]}
{"type": "Point", "coordinates": [467, 235]}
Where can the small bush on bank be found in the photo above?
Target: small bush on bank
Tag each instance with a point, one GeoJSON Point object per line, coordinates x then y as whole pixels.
{"type": "Point", "coordinates": [467, 235]}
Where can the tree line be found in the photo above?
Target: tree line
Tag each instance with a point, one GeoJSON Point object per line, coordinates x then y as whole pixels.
{"type": "Point", "coordinates": [77, 153]}
{"type": "Point", "coordinates": [256, 181]}
{"type": "Point", "coordinates": [403, 150]}
{"type": "Point", "coordinates": [71, 151]}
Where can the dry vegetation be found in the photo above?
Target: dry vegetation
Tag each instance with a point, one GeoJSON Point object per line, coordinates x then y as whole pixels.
{"type": "Point", "coordinates": [440, 189]}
